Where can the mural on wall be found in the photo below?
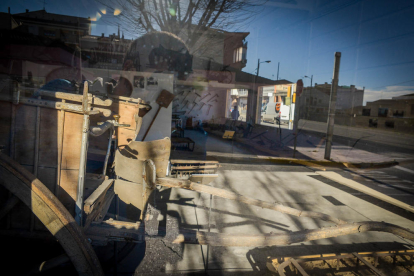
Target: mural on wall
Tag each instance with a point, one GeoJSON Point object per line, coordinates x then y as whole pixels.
{"type": "Point", "coordinates": [201, 104]}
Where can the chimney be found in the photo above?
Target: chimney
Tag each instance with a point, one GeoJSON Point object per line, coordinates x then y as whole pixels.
{"type": "Point", "coordinates": [27, 10]}
{"type": "Point", "coordinates": [8, 9]}
{"type": "Point", "coordinates": [103, 34]}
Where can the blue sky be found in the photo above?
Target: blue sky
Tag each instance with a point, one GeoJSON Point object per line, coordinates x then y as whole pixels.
{"type": "Point", "coordinates": [376, 38]}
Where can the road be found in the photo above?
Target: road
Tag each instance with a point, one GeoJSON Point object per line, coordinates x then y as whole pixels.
{"type": "Point", "coordinates": [298, 187]}
{"type": "Point", "coordinates": [391, 144]}
{"type": "Point", "coordinates": [396, 182]}
{"type": "Point", "coordinates": [294, 186]}
{"type": "Point", "coordinates": [401, 140]}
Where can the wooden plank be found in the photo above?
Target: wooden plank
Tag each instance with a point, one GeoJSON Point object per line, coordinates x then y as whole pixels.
{"type": "Point", "coordinates": [60, 129]}
{"type": "Point", "coordinates": [96, 198]}
{"type": "Point", "coordinates": [92, 99]}
{"type": "Point", "coordinates": [48, 177]}
{"type": "Point", "coordinates": [203, 178]}
{"type": "Point", "coordinates": [188, 185]}
{"type": "Point", "coordinates": [368, 264]}
{"type": "Point", "coordinates": [52, 214]}
{"type": "Point", "coordinates": [36, 159]}
{"type": "Point", "coordinates": [105, 206]}
{"type": "Point", "coordinates": [183, 161]}
{"type": "Point", "coordinates": [297, 265]}
{"type": "Point", "coordinates": [77, 108]}
{"type": "Point", "coordinates": [72, 138]}
{"type": "Point", "coordinates": [68, 189]}
{"type": "Point", "coordinates": [24, 136]}
{"type": "Point", "coordinates": [195, 167]}
{"type": "Point", "coordinates": [364, 189]}
{"type": "Point", "coordinates": [48, 146]}
{"type": "Point", "coordinates": [100, 211]}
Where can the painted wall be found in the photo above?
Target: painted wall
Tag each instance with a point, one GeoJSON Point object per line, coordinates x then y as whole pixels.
{"type": "Point", "coordinates": [201, 103]}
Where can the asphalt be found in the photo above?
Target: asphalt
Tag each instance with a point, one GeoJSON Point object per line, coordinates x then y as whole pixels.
{"type": "Point", "coordinates": [246, 171]}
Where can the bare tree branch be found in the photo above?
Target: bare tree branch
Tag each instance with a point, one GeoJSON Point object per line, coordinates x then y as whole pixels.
{"type": "Point", "coordinates": [189, 19]}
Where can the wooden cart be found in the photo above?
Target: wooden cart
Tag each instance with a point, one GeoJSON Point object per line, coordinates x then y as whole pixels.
{"type": "Point", "coordinates": [66, 159]}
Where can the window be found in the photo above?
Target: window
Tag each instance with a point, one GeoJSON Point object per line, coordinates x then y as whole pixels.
{"type": "Point", "coordinates": [382, 112]}
{"type": "Point", "coordinates": [366, 112]}
{"type": "Point", "coordinates": [49, 33]}
{"type": "Point", "coordinates": [239, 55]}
{"type": "Point", "coordinates": [398, 114]}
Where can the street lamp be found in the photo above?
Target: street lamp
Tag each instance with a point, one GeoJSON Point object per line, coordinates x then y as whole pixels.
{"type": "Point", "coordinates": [258, 65]}
{"type": "Point", "coordinates": [257, 88]}
{"type": "Point", "coordinates": [311, 78]}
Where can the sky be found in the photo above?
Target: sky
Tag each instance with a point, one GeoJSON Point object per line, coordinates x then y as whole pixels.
{"type": "Point", "coordinates": [375, 37]}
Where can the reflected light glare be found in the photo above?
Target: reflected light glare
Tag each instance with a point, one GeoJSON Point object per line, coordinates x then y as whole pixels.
{"type": "Point", "coordinates": [117, 12]}
{"type": "Point", "coordinates": [103, 11]}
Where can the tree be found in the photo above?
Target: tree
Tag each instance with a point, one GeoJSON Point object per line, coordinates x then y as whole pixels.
{"type": "Point", "coordinates": [189, 19]}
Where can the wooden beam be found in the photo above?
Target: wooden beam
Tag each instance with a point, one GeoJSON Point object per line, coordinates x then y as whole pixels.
{"type": "Point", "coordinates": [298, 267]}
{"type": "Point", "coordinates": [368, 264]}
{"type": "Point", "coordinates": [97, 197]}
{"type": "Point", "coordinates": [135, 232]}
{"type": "Point", "coordinates": [188, 185]}
{"type": "Point", "coordinates": [183, 161]}
{"type": "Point", "coordinates": [99, 212]}
{"type": "Point", "coordinates": [194, 167]}
{"type": "Point", "coordinates": [51, 213]}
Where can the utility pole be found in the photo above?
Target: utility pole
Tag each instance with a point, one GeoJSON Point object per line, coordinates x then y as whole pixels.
{"type": "Point", "coordinates": [310, 97]}
{"type": "Point", "coordinates": [299, 90]}
{"type": "Point", "coordinates": [332, 106]}
{"type": "Point", "coordinates": [278, 70]}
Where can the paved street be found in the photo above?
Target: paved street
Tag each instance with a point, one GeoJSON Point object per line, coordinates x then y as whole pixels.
{"type": "Point", "coordinates": [391, 144]}
{"type": "Point", "coordinates": [397, 181]}
{"type": "Point", "coordinates": [295, 186]}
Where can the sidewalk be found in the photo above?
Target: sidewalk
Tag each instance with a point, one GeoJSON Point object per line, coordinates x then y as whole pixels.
{"type": "Point", "coordinates": [309, 147]}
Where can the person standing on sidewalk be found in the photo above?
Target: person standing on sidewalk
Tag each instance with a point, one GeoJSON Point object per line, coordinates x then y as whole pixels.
{"type": "Point", "coordinates": [235, 113]}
